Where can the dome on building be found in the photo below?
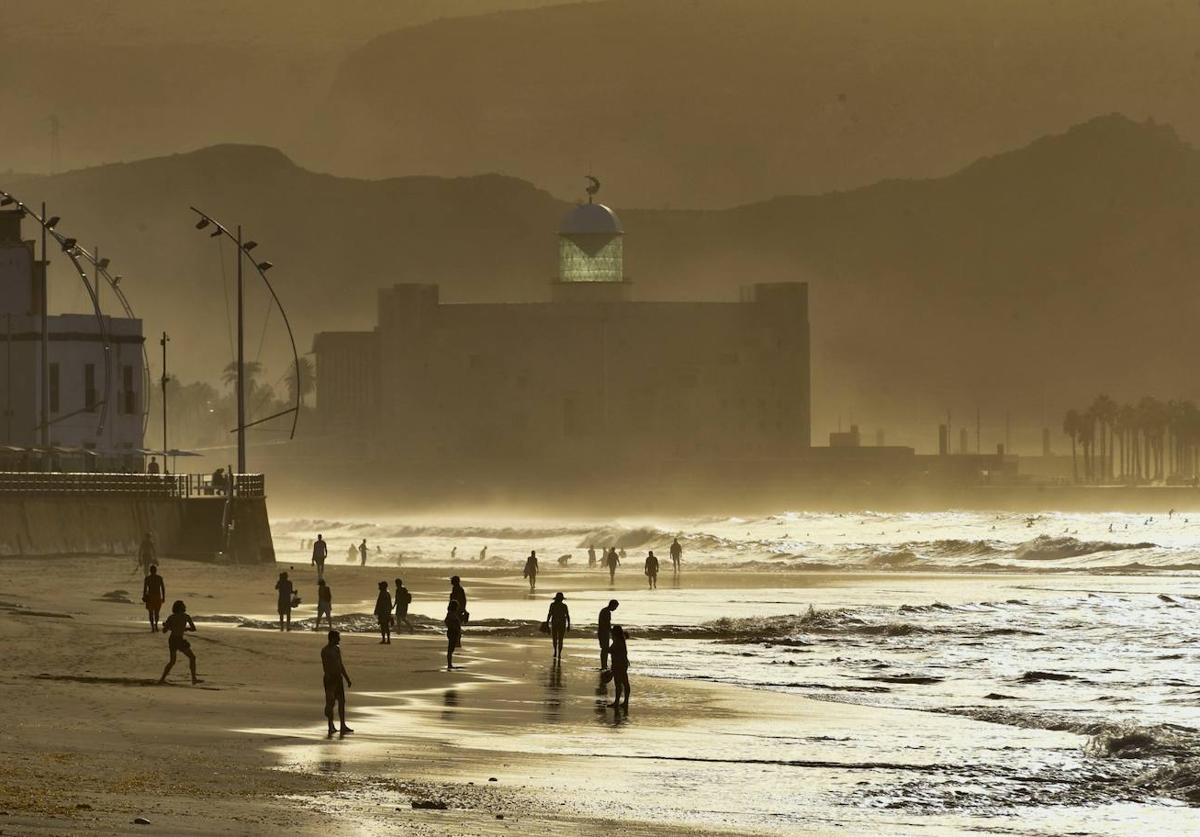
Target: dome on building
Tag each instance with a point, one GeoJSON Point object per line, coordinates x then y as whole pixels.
{"type": "Point", "coordinates": [591, 219]}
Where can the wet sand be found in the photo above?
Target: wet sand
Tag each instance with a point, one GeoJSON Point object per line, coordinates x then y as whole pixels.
{"type": "Point", "coordinates": [92, 742]}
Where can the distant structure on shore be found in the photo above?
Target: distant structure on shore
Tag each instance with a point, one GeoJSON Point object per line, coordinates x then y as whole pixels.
{"type": "Point", "coordinates": [590, 376]}
{"type": "Point", "coordinates": [94, 374]}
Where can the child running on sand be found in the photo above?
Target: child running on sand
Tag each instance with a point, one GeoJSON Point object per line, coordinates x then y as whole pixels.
{"type": "Point", "coordinates": [177, 624]}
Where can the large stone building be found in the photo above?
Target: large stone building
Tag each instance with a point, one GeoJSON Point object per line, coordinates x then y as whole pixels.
{"type": "Point", "coordinates": [94, 375]}
{"type": "Point", "coordinates": [589, 377]}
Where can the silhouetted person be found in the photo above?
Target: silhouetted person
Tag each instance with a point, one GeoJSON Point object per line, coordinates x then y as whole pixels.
{"type": "Point", "coordinates": [652, 570]}
{"type": "Point", "coordinates": [559, 618]}
{"type": "Point", "coordinates": [591, 557]}
{"type": "Point", "coordinates": [622, 554]}
{"type": "Point", "coordinates": [320, 553]}
{"type": "Point", "coordinates": [483, 554]}
{"type": "Point", "coordinates": [146, 553]}
{"type": "Point", "coordinates": [152, 468]}
{"type": "Point", "coordinates": [334, 674]}
{"type": "Point", "coordinates": [612, 562]}
{"type": "Point", "coordinates": [453, 552]}
{"type": "Point", "coordinates": [458, 598]}
{"type": "Point", "coordinates": [620, 667]}
{"type": "Point", "coordinates": [383, 612]}
{"type": "Point", "coordinates": [403, 600]}
{"type": "Point", "coordinates": [324, 604]}
{"type": "Point", "coordinates": [284, 600]}
{"type": "Point", "coordinates": [177, 624]}
{"type": "Point", "coordinates": [531, 570]}
{"type": "Point", "coordinates": [218, 481]}
{"type": "Point", "coordinates": [362, 552]}
{"type": "Point", "coordinates": [154, 593]}
{"type": "Point", "coordinates": [453, 633]}
{"type": "Point", "coordinates": [676, 554]}
{"type": "Point", "coordinates": [604, 630]}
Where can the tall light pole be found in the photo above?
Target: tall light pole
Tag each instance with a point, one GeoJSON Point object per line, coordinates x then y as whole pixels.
{"type": "Point", "coordinates": [165, 378]}
{"type": "Point", "coordinates": [241, 360]}
{"type": "Point", "coordinates": [44, 371]}
{"type": "Point", "coordinates": [243, 251]}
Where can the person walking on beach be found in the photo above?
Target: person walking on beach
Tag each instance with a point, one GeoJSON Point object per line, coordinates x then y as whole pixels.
{"type": "Point", "coordinates": [334, 673]}
{"type": "Point", "coordinates": [620, 667]}
{"type": "Point", "coordinates": [154, 593]}
{"type": "Point", "coordinates": [676, 554]}
{"type": "Point", "coordinates": [612, 562]}
{"type": "Point", "coordinates": [531, 570]}
{"type": "Point", "coordinates": [324, 604]}
{"type": "Point", "coordinates": [383, 612]}
{"type": "Point", "coordinates": [652, 570]}
{"type": "Point", "coordinates": [146, 553]}
{"type": "Point", "coordinates": [559, 618]}
{"type": "Point", "coordinates": [453, 634]}
{"type": "Point", "coordinates": [403, 600]}
{"type": "Point", "coordinates": [284, 600]}
{"type": "Point", "coordinates": [320, 551]}
{"type": "Point", "coordinates": [362, 552]}
{"type": "Point", "coordinates": [604, 630]}
{"type": "Point", "coordinates": [177, 624]}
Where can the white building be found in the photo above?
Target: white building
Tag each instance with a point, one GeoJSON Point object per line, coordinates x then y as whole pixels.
{"type": "Point", "coordinates": [94, 375]}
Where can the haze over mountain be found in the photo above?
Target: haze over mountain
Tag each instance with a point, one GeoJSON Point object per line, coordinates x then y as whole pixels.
{"type": "Point", "coordinates": [998, 286]}
{"type": "Point", "coordinates": [682, 103]}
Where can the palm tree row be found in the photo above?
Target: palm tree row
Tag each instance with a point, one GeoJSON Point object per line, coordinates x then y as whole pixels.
{"type": "Point", "coordinates": [1149, 441]}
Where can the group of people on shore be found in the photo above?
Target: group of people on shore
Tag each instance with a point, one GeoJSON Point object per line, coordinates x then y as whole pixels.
{"type": "Point", "coordinates": [613, 557]}
{"type": "Point", "coordinates": [393, 611]}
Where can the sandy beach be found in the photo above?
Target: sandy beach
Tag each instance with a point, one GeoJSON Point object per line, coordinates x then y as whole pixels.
{"type": "Point", "coordinates": [510, 744]}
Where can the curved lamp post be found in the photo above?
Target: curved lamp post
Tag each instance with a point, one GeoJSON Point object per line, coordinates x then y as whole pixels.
{"type": "Point", "coordinates": [243, 252]}
{"type": "Point", "coordinates": [71, 248]}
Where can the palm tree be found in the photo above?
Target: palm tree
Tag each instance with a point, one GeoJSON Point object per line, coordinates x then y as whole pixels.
{"type": "Point", "coordinates": [1072, 425]}
{"type": "Point", "coordinates": [1105, 411]}
{"type": "Point", "coordinates": [253, 369]}
{"type": "Point", "coordinates": [1126, 425]}
{"type": "Point", "coordinates": [307, 377]}
{"type": "Point", "coordinates": [1153, 420]}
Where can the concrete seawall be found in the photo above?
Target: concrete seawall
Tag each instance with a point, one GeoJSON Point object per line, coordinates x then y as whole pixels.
{"type": "Point", "coordinates": [44, 525]}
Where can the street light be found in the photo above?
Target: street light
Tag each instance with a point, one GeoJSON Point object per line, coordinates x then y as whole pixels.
{"type": "Point", "coordinates": [243, 248]}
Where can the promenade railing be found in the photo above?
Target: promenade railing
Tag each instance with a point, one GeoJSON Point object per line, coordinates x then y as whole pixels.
{"type": "Point", "coordinates": [131, 485]}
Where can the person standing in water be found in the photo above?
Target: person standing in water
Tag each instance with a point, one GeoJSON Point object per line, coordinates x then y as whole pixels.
{"type": "Point", "coordinates": [334, 673]}
{"type": "Point", "coordinates": [652, 570]}
{"type": "Point", "coordinates": [286, 590]}
{"type": "Point", "coordinates": [178, 624]}
{"type": "Point", "coordinates": [320, 551]}
{"type": "Point", "coordinates": [612, 561]}
{"type": "Point", "coordinates": [559, 617]}
{"type": "Point", "coordinates": [383, 612]}
{"type": "Point", "coordinates": [676, 554]}
{"type": "Point", "coordinates": [324, 604]}
{"type": "Point", "coordinates": [620, 667]}
{"type": "Point", "coordinates": [483, 554]}
{"type": "Point", "coordinates": [531, 570]}
{"type": "Point", "coordinates": [453, 634]}
{"type": "Point", "coordinates": [403, 600]}
{"type": "Point", "coordinates": [154, 593]}
{"type": "Point", "coordinates": [591, 557]}
{"type": "Point", "coordinates": [362, 552]}
{"type": "Point", "coordinates": [604, 630]}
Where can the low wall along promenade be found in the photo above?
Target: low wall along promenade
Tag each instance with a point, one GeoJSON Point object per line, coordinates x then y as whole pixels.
{"type": "Point", "coordinates": [44, 514]}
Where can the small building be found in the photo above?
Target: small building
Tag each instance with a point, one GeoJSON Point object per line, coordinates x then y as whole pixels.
{"type": "Point", "coordinates": [589, 377]}
{"type": "Point", "coordinates": [94, 374]}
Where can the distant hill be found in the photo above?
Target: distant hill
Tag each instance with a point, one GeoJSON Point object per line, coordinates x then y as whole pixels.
{"type": "Point", "coordinates": [708, 103]}
{"type": "Point", "coordinates": [1035, 277]}
{"type": "Point", "coordinates": [674, 103]}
